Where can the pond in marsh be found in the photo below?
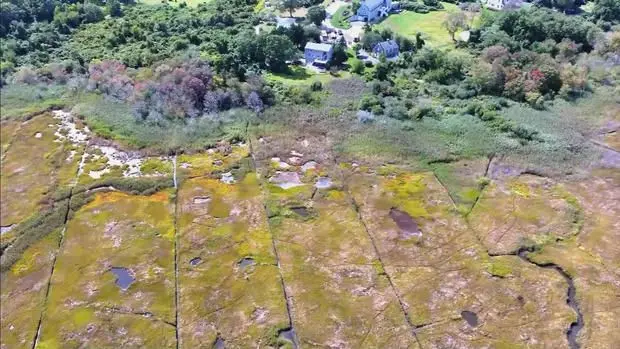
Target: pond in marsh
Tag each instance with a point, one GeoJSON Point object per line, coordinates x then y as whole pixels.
{"type": "Point", "coordinates": [123, 277]}
{"type": "Point", "coordinates": [408, 227]}
{"type": "Point", "coordinates": [246, 262]}
{"type": "Point", "coordinates": [219, 343]}
{"type": "Point", "coordinates": [470, 317]}
{"type": "Point", "coordinates": [323, 183]}
{"type": "Point", "coordinates": [300, 210]}
{"type": "Point", "coordinates": [286, 180]}
{"type": "Point", "coordinates": [195, 261]}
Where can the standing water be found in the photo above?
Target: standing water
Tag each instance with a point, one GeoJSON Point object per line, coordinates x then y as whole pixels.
{"type": "Point", "coordinates": [123, 278]}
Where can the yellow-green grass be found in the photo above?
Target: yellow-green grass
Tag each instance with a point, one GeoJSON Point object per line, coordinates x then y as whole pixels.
{"type": "Point", "coordinates": [445, 270]}
{"type": "Point", "coordinates": [85, 307]}
{"type": "Point", "coordinates": [260, 5]}
{"type": "Point", "coordinates": [527, 210]}
{"type": "Point", "coordinates": [222, 224]}
{"type": "Point", "coordinates": [335, 281]}
{"type": "Point", "coordinates": [596, 285]}
{"type": "Point", "coordinates": [23, 290]}
{"type": "Point", "coordinates": [300, 76]}
{"type": "Point", "coordinates": [33, 167]}
{"type": "Point", "coordinates": [214, 161]}
{"type": "Point", "coordinates": [410, 23]}
{"type": "Point", "coordinates": [8, 128]}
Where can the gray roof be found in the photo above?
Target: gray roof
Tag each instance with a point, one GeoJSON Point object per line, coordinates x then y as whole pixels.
{"type": "Point", "coordinates": [318, 47]}
{"type": "Point", "coordinates": [285, 22]}
{"type": "Point", "coordinates": [386, 45]}
{"type": "Point", "coordinates": [373, 4]}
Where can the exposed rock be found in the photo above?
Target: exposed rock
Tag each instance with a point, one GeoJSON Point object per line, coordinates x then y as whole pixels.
{"type": "Point", "coordinates": [286, 180]}
{"type": "Point", "coordinates": [310, 165]}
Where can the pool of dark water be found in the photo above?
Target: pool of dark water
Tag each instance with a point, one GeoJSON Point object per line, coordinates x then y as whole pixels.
{"type": "Point", "coordinates": [246, 262]}
{"type": "Point", "coordinates": [470, 317]}
{"type": "Point", "coordinates": [195, 261]}
{"type": "Point", "coordinates": [300, 210]}
{"type": "Point", "coordinates": [219, 343]}
{"type": "Point", "coordinates": [408, 227]}
{"type": "Point", "coordinates": [123, 277]}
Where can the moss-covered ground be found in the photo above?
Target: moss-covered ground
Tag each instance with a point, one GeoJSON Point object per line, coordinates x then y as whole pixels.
{"type": "Point", "coordinates": [352, 276]}
{"type": "Point", "coordinates": [85, 307]}
{"type": "Point", "coordinates": [229, 285]}
{"type": "Point", "coordinates": [23, 293]}
{"type": "Point", "coordinates": [36, 164]}
{"type": "Point", "coordinates": [445, 271]}
{"type": "Point", "coordinates": [338, 292]}
{"type": "Point", "coordinates": [525, 211]}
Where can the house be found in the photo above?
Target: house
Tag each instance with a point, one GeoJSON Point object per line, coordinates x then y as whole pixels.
{"type": "Point", "coordinates": [318, 54]}
{"type": "Point", "coordinates": [371, 10]}
{"type": "Point", "coordinates": [387, 48]}
{"type": "Point", "coordinates": [284, 22]}
{"type": "Point", "coordinates": [499, 5]}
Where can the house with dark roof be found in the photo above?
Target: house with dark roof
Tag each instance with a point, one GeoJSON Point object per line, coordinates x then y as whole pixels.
{"type": "Point", "coordinates": [371, 10]}
{"type": "Point", "coordinates": [387, 48]}
{"type": "Point", "coordinates": [318, 54]}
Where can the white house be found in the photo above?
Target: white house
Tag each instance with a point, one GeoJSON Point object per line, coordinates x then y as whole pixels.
{"type": "Point", "coordinates": [499, 5]}
{"type": "Point", "coordinates": [318, 54]}
{"type": "Point", "coordinates": [371, 10]}
{"type": "Point", "coordinates": [387, 48]}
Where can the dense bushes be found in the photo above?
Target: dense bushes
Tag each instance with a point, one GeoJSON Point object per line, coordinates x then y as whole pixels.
{"type": "Point", "coordinates": [33, 31]}
{"type": "Point", "coordinates": [527, 27]}
{"type": "Point", "coordinates": [176, 89]}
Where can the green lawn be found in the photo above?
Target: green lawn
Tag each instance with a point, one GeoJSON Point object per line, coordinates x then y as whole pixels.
{"type": "Point", "coordinates": [409, 23]}
{"type": "Point", "coordinates": [339, 20]}
{"type": "Point", "coordinates": [302, 76]}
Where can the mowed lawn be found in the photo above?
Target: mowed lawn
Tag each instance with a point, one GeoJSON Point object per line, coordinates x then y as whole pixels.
{"type": "Point", "coordinates": [409, 23]}
{"type": "Point", "coordinates": [302, 76]}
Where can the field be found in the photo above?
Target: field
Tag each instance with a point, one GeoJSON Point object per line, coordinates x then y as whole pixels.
{"type": "Point", "coordinates": [430, 24]}
{"type": "Point", "coordinates": [287, 242]}
{"type": "Point", "coordinates": [301, 76]}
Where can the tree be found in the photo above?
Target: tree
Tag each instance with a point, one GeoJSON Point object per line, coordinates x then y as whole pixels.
{"type": "Point", "coordinates": [357, 67]}
{"type": "Point", "coordinates": [288, 5]}
{"type": "Point", "coordinates": [114, 8]}
{"type": "Point", "coordinates": [277, 49]}
{"type": "Point", "coordinates": [455, 21]}
{"type": "Point", "coordinates": [316, 15]}
{"type": "Point", "coordinates": [92, 13]}
{"type": "Point", "coordinates": [487, 77]}
{"type": "Point", "coordinates": [370, 39]}
{"type": "Point", "coordinates": [565, 5]}
{"type": "Point", "coordinates": [607, 10]}
{"type": "Point", "coordinates": [297, 35]}
{"type": "Point", "coordinates": [340, 54]}
{"type": "Point", "coordinates": [419, 42]}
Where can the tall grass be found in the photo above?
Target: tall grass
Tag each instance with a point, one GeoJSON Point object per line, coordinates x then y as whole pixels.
{"type": "Point", "coordinates": [115, 121]}
{"type": "Point", "coordinates": [19, 101]}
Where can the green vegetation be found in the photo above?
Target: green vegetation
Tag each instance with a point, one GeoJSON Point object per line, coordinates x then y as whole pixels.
{"type": "Point", "coordinates": [454, 190]}
{"type": "Point", "coordinates": [410, 23]}
{"type": "Point", "coordinates": [340, 17]}
{"type": "Point", "coordinates": [190, 3]}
